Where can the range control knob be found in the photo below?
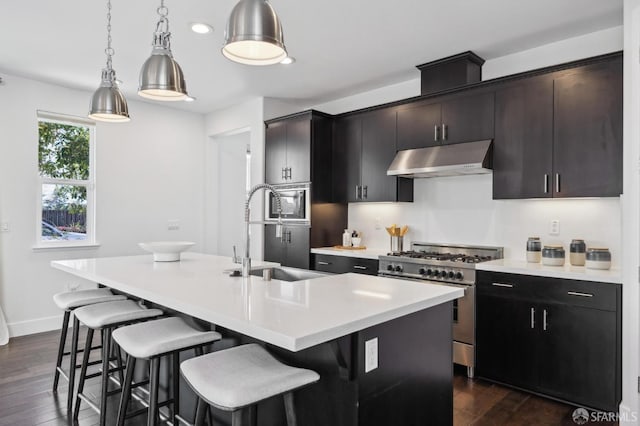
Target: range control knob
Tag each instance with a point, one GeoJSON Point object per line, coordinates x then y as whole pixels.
{"type": "Point", "coordinates": [390, 268]}
{"type": "Point", "coordinates": [451, 274]}
{"type": "Point", "coordinates": [429, 272]}
{"type": "Point", "coordinates": [436, 273]}
{"type": "Point", "coordinates": [422, 271]}
{"type": "Point", "coordinates": [398, 268]}
{"type": "Point", "coordinates": [459, 275]}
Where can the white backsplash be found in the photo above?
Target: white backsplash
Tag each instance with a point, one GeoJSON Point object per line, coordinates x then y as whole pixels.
{"type": "Point", "coordinates": [460, 210]}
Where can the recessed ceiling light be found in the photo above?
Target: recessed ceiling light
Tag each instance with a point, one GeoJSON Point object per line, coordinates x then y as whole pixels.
{"type": "Point", "coordinates": [288, 60]}
{"type": "Point", "coordinates": [201, 28]}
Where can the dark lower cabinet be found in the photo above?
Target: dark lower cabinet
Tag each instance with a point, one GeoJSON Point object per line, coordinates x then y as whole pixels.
{"type": "Point", "coordinates": [555, 337]}
{"type": "Point", "coordinates": [291, 249]}
{"type": "Point", "coordinates": [344, 264]}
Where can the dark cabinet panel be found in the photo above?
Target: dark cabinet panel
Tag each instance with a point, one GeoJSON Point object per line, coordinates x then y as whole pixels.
{"type": "Point", "coordinates": [291, 249]}
{"type": "Point", "coordinates": [275, 152]}
{"type": "Point", "coordinates": [504, 339]}
{"type": "Point", "coordinates": [468, 119]}
{"type": "Point", "coordinates": [378, 151]}
{"type": "Point", "coordinates": [365, 145]}
{"type": "Point", "coordinates": [552, 336]}
{"type": "Point", "coordinates": [299, 150]}
{"type": "Point", "coordinates": [560, 134]}
{"type": "Point", "coordinates": [523, 144]}
{"type": "Point", "coordinates": [588, 132]}
{"type": "Point", "coordinates": [288, 150]}
{"type": "Point", "coordinates": [577, 355]}
{"type": "Point", "coordinates": [344, 264]}
{"type": "Point", "coordinates": [419, 126]}
{"type": "Point", "coordinates": [452, 120]}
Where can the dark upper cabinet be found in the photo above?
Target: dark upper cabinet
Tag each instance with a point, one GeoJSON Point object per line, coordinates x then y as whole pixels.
{"type": "Point", "coordinates": [365, 145]}
{"type": "Point", "coordinates": [288, 150]}
{"type": "Point", "coordinates": [453, 119]}
{"type": "Point", "coordinates": [419, 126]}
{"type": "Point", "coordinates": [298, 149]}
{"type": "Point", "coordinates": [587, 151]}
{"type": "Point", "coordinates": [560, 134]}
{"type": "Point", "coordinates": [556, 337]}
{"type": "Point", "coordinates": [523, 144]}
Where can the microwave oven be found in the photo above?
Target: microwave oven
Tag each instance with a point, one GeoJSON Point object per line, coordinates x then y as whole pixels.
{"type": "Point", "coordinates": [295, 200]}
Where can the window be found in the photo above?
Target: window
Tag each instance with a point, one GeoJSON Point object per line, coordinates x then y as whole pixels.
{"type": "Point", "coordinates": [66, 187]}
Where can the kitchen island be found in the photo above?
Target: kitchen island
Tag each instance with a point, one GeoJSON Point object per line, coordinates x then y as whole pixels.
{"type": "Point", "coordinates": [382, 346]}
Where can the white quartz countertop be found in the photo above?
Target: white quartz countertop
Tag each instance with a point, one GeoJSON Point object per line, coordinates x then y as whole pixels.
{"type": "Point", "coordinates": [291, 315]}
{"type": "Point", "coordinates": [361, 254]}
{"type": "Point", "coordinates": [567, 271]}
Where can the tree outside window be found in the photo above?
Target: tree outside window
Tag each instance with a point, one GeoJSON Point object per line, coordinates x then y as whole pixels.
{"type": "Point", "coordinates": [65, 147]}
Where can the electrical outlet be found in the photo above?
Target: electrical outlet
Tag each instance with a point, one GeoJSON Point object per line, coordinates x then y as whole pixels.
{"type": "Point", "coordinates": [173, 225]}
{"type": "Point", "coordinates": [4, 227]}
{"type": "Point", "coordinates": [554, 227]}
{"type": "Point", "coordinates": [378, 223]}
{"type": "Point", "coordinates": [371, 355]}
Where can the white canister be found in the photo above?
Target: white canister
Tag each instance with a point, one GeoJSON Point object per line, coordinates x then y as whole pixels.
{"type": "Point", "coordinates": [346, 238]}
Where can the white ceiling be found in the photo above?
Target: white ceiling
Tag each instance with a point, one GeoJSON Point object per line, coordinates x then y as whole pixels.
{"type": "Point", "coordinates": [342, 46]}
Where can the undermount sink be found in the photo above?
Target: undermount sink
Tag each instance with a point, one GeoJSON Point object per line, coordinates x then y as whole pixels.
{"type": "Point", "coordinates": [284, 273]}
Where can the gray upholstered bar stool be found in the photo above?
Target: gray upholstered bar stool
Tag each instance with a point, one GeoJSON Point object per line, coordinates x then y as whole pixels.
{"type": "Point", "coordinates": [151, 341]}
{"type": "Point", "coordinates": [105, 317]}
{"type": "Point", "coordinates": [68, 301]}
{"type": "Point", "coordinates": [238, 378]}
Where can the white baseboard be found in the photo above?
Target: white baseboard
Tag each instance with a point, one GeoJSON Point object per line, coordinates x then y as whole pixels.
{"type": "Point", "coordinates": [39, 325]}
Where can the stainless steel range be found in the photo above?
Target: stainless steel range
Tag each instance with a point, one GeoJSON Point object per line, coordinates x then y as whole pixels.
{"type": "Point", "coordinates": [453, 265]}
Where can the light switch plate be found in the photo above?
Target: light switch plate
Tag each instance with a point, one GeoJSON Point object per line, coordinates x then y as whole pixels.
{"type": "Point", "coordinates": [371, 355]}
{"type": "Point", "coordinates": [4, 227]}
{"type": "Point", "coordinates": [554, 227]}
{"type": "Point", "coordinates": [173, 225]}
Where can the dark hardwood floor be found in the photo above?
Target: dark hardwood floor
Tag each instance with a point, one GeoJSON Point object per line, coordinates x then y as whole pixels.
{"type": "Point", "coordinates": [27, 399]}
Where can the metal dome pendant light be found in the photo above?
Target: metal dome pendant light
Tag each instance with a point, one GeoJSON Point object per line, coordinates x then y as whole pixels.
{"type": "Point", "coordinates": [254, 34]}
{"type": "Point", "coordinates": [108, 103]}
{"type": "Point", "coordinates": [161, 77]}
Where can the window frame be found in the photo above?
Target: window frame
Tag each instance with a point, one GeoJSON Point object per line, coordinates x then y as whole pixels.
{"type": "Point", "coordinates": [89, 184]}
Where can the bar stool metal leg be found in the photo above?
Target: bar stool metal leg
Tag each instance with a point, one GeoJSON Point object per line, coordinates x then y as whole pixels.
{"type": "Point", "coordinates": [106, 354]}
{"type": "Point", "coordinates": [289, 409]}
{"type": "Point", "coordinates": [154, 378]}
{"type": "Point", "coordinates": [175, 379]}
{"type": "Point", "coordinates": [126, 390]}
{"type": "Point", "coordinates": [201, 412]}
{"type": "Point", "coordinates": [72, 363]}
{"type": "Point", "coordinates": [83, 373]}
{"type": "Point", "coordinates": [63, 339]}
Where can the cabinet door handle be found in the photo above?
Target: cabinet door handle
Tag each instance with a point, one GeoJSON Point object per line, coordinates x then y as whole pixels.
{"type": "Point", "coordinates": [577, 293]}
{"type": "Point", "coordinates": [365, 191]}
{"type": "Point", "coordinates": [444, 132]}
{"type": "Point", "coordinates": [284, 174]}
{"type": "Point", "coordinates": [558, 182]}
{"type": "Point", "coordinates": [289, 173]}
{"type": "Point", "coordinates": [533, 318]}
{"type": "Point", "coordinates": [546, 183]}
{"type": "Point", "coordinates": [360, 267]}
{"type": "Point", "coordinates": [357, 192]}
{"type": "Point", "coordinates": [544, 320]}
{"type": "Point", "coordinates": [323, 263]}
{"type": "Point", "coordinates": [502, 285]}
{"type": "Point", "coordinates": [435, 132]}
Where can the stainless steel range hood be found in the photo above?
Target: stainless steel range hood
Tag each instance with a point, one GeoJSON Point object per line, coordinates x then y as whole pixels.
{"type": "Point", "coordinates": [444, 160]}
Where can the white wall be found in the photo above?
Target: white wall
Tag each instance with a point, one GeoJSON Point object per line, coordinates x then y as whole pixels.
{"type": "Point", "coordinates": [631, 215]}
{"type": "Point", "coordinates": [245, 117]}
{"type": "Point", "coordinates": [148, 171]}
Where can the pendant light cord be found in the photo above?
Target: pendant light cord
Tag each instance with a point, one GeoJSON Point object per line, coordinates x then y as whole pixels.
{"type": "Point", "coordinates": [109, 50]}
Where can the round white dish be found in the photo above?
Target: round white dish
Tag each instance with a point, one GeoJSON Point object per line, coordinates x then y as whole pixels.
{"type": "Point", "coordinates": [166, 251]}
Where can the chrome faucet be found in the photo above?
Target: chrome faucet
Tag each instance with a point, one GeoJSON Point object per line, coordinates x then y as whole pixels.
{"type": "Point", "coordinates": [246, 260]}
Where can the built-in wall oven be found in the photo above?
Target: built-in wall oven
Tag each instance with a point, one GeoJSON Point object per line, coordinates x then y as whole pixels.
{"type": "Point", "coordinates": [295, 200]}
{"type": "Point", "coordinates": [452, 265]}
